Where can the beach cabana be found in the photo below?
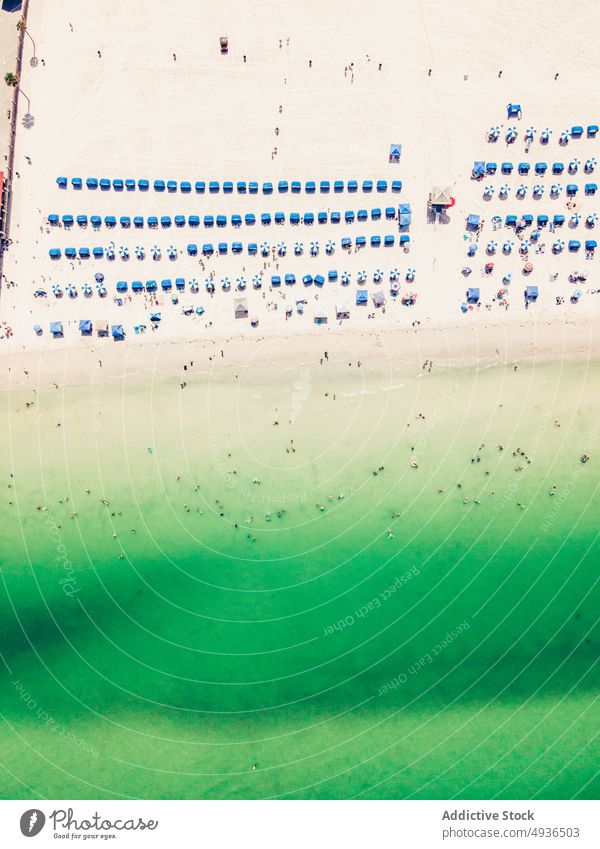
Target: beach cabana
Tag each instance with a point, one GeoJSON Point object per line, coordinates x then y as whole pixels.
{"type": "Point", "coordinates": [367, 186]}
{"type": "Point", "coordinates": [310, 187]}
{"type": "Point", "coordinates": [558, 220]}
{"type": "Point", "coordinates": [117, 332]}
{"type": "Point", "coordinates": [70, 253]}
{"type": "Point", "coordinates": [282, 186]}
{"type": "Point", "coordinates": [61, 182]}
{"type": "Point", "coordinates": [307, 280]}
{"type": "Point", "coordinates": [265, 218]}
{"type": "Point", "coordinates": [151, 286]}
{"type": "Point", "coordinates": [324, 186]}
{"type": "Point", "coordinates": [179, 220]}
{"type": "Point", "coordinates": [84, 253]}
{"type": "Point", "coordinates": [513, 110]}
{"type": "Point", "coordinates": [222, 247]}
{"type": "Point", "coordinates": [253, 187]}
{"type": "Point", "coordinates": [267, 188]}
{"type": "Point", "coordinates": [118, 185]}
{"type": "Point", "coordinates": [531, 293]}
{"type": "Point", "coordinates": [506, 168]}
{"type": "Point", "coordinates": [591, 245]}
{"type": "Point", "coordinates": [104, 184]}
{"type": "Point", "coordinates": [213, 187]}
{"type": "Point", "coordinates": [491, 167]}
{"type": "Point", "coordinates": [375, 241]}
{"type": "Point", "coordinates": [85, 327]}
{"type": "Point", "coordinates": [194, 220]}
{"type": "Point", "coordinates": [591, 188]}
{"type": "Point", "coordinates": [98, 252]}
{"type": "Point", "coordinates": [37, 329]}
{"type": "Point", "coordinates": [166, 285]}
{"type": "Point", "coordinates": [137, 286]}
{"type": "Point", "coordinates": [53, 219]}
{"type": "Point", "coordinates": [346, 242]}
{"type": "Point", "coordinates": [352, 185]}
{"type": "Point", "coordinates": [221, 220]}
{"type": "Point", "coordinates": [294, 218]}
{"type": "Point", "coordinates": [171, 185]}
{"type": "Point", "coordinates": [332, 275]}
{"type": "Point", "coordinates": [390, 213]}
{"type": "Point", "coordinates": [82, 220]}
{"type": "Point", "coordinates": [56, 328]}
{"type": "Point", "coordinates": [125, 221]}
{"type": "Point", "coordinates": [338, 186]}
{"type": "Point", "coordinates": [185, 187]}
{"type": "Point", "coordinates": [558, 167]}
{"type": "Point", "coordinates": [335, 217]}
{"type": "Point", "coordinates": [362, 215]}
{"type": "Point", "coordinates": [296, 186]}
{"type": "Point", "coordinates": [576, 131]}
{"type": "Point", "coordinates": [240, 308]}
{"type": "Point", "coordinates": [159, 185]}
{"type": "Point", "coordinates": [362, 297]}
{"type": "Point", "coordinates": [322, 217]}
{"type": "Point", "coordinates": [473, 296]}
{"type": "Point", "coordinates": [110, 221]}
{"type": "Point", "coordinates": [592, 130]}
{"type": "Point", "coordinates": [290, 279]}
{"type": "Point", "coordinates": [95, 221]}
{"type": "Point", "coordinates": [473, 221]}
{"type": "Point", "coordinates": [574, 245]}
{"type": "Point", "coordinates": [91, 183]}
{"type": "Point", "coordinates": [143, 185]}
{"type": "Point", "coordinates": [208, 249]}
{"type": "Point", "coordinates": [541, 167]}
{"type": "Point", "coordinates": [200, 187]}
{"type": "Point", "coordinates": [404, 215]}
{"type": "Point", "coordinates": [180, 284]}
{"type": "Point", "coordinates": [404, 240]}
{"type": "Point", "coordinates": [279, 218]}
{"type": "Point", "coordinates": [572, 189]}
{"type": "Point", "coordinates": [376, 214]}
{"type": "Point", "coordinates": [227, 187]}
{"type": "Point", "coordinates": [388, 241]}
{"type": "Point", "coordinates": [349, 216]}
{"type": "Point", "coordinates": [396, 185]}
{"type": "Point", "coordinates": [524, 168]}
{"type": "Point", "coordinates": [382, 185]}
{"type": "Point", "coordinates": [360, 242]}
{"type": "Point", "coordinates": [542, 220]}
{"type": "Point", "coordinates": [76, 182]}
{"type": "Point", "coordinates": [121, 286]}
{"type": "Point", "coordinates": [236, 247]}
{"type": "Point", "coordinates": [309, 218]}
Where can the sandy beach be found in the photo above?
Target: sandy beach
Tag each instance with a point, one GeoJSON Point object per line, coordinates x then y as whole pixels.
{"type": "Point", "coordinates": [330, 99]}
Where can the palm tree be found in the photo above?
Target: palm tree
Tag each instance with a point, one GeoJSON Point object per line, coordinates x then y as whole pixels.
{"type": "Point", "coordinates": [11, 79]}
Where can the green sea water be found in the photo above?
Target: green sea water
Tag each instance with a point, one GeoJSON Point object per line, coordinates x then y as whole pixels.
{"type": "Point", "coordinates": [260, 597]}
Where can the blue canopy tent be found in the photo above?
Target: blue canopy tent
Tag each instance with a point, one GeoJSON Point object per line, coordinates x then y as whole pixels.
{"type": "Point", "coordinates": [56, 328]}
{"type": "Point", "coordinates": [249, 219]}
{"type": "Point", "coordinates": [171, 185]}
{"type": "Point", "coordinates": [151, 286]}
{"type": "Point", "coordinates": [531, 293]}
{"type": "Point", "coordinates": [179, 220]}
{"type": "Point", "coordinates": [332, 275]}
{"type": "Point", "coordinates": [352, 185]}
{"type": "Point", "coordinates": [473, 221]}
{"type": "Point", "coordinates": [309, 218]}
{"type": "Point", "coordinates": [121, 286]}
{"type": "Point", "coordinates": [152, 221]}
{"type": "Point", "coordinates": [192, 249]}
{"type": "Point", "coordinates": [404, 215]}
{"type": "Point", "coordinates": [117, 332]}
{"type": "Point", "coordinates": [159, 185]}
{"type": "Point", "coordinates": [252, 248]}
{"type": "Point", "coordinates": [574, 245]}
{"type": "Point", "coordinates": [478, 168]}
{"type": "Point", "coordinates": [253, 187]}
{"type": "Point", "coordinates": [322, 217]}
{"type": "Point", "coordinates": [180, 284]}
{"type": "Point", "coordinates": [558, 220]}
{"type": "Point", "coordinates": [513, 110]}
{"type": "Point", "coordinates": [473, 296]}
{"type": "Point", "coordinates": [524, 168]}
{"type": "Point", "coordinates": [85, 327]}
{"type": "Point", "coordinates": [376, 214]}
{"type": "Point", "coordinates": [362, 297]}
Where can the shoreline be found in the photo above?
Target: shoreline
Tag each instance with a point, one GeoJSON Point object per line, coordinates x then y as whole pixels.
{"type": "Point", "coordinates": [447, 347]}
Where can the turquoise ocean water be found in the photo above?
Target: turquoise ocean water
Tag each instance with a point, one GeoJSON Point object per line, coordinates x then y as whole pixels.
{"type": "Point", "coordinates": [233, 593]}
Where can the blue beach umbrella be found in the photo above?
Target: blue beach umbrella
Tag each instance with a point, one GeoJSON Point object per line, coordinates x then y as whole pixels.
{"type": "Point", "coordinates": [298, 248]}
{"type": "Point", "coordinates": [57, 291]}
{"type": "Point", "coordinates": [591, 220]}
{"type": "Point", "coordinates": [538, 190]}
{"type": "Point", "coordinates": [362, 276]}
{"type": "Point", "coordinates": [488, 191]}
{"type": "Point", "coordinates": [86, 289]}
{"type": "Point", "coordinates": [504, 190]}
{"type": "Point", "coordinates": [564, 137]}
{"type": "Point", "coordinates": [314, 248]}
{"type": "Point", "coordinates": [257, 281]}
{"type": "Point", "coordinates": [590, 164]}
{"type": "Point", "coordinates": [507, 247]}
{"type": "Point", "coordinates": [155, 251]}
{"type": "Point", "coordinates": [558, 246]}
{"type": "Point", "coordinates": [172, 252]}
{"type": "Point", "coordinates": [377, 276]}
{"type": "Point", "coordinates": [394, 274]}
{"type": "Point", "coordinates": [524, 246]}
{"type": "Point", "coordinates": [491, 248]}
{"type": "Point", "coordinates": [240, 283]}
{"type": "Point", "coordinates": [574, 166]}
{"type": "Point", "coordinates": [522, 191]}
{"type": "Point", "coordinates": [101, 290]}
{"type": "Point", "coordinates": [225, 284]}
{"type": "Point", "coordinates": [545, 136]}
{"type": "Point", "coordinates": [140, 252]}
{"type": "Point", "coordinates": [71, 291]}
{"type": "Point", "coordinates": [575, 219]}
{"type": "Point", "coordinates": [282, 248]}
{"type": "Point", "coordinates": [109, 253]}
{"type": "Point", "coordinates": [511, 135]}
{"type": "Point", "coordinates": [345, 278]}
{"type": "Point", "coordinates": [265, 249]}
{"type": "Point", "coordinates": [329, 247]}
{"type": "Point", "coordinates": [194, 287]}
{"type": "Point", "coordinates": [493, 133]}
{"type": "Point", "coordinates": [410, 275]}
{"type": "Point", "coordinates": [530, 133]}
{"type": "Point", "coordinates": [555, 189]}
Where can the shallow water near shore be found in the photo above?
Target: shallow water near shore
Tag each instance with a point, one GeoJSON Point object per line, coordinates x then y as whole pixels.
{"type": "Point", "coordinates": [297, 596]}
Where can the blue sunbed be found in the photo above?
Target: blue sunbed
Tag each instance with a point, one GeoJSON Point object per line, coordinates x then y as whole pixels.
{"type": "Point", "coordinates": [159, 185]}
{"type": "Point", "coordinates": [152, 221]}
{"type": "Point", "coordinates": [143, 185]}
{"type": "Point", "coordinates": [91, 183]}
{"type": "Point", "coordinates": [185, 187]}
{"type": "Point", "coordinates": [228, 187]}
{"type": "Point", "coordinates": [213, 187]}
{"type": "Point", "coordinates": [104, 184]}
{"type": "Point", "coordinates": [179, 220]}
{"type": "Point", "coordinates": [249, 219]}
{"type": "Point", "coordinates": [242, 188]}
{"type": "Point", "coordinates": [76, 182]}
{"type": "Point", "coordinates": [192, 249]}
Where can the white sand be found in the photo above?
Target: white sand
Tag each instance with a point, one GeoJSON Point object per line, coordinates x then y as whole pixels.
{"type": "Point", "coordinates": [136, 112]}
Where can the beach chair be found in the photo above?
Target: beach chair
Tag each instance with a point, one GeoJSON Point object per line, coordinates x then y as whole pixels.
{"type": "Point", "coordinates": [349, 216]}
{"type": "Point", "coordinates": [397, 185]}
{"type": "Point", "coordinates": [199, 187]}
{"type": "Point", "coordinates": [296, 187]}
{"type": "Point", "coordinates": [227, 187]}
{"type": "Point", "coordinates": [213, 187]}
{"type": "Point", "coordinates": [249, 219]}
{"type": "Point", "coordinates": [143, 185]}
{"type": "Point", "coordinates": [275, 280]}
{"type": "Point", "coordinates": [253, 188]}
{"type": "Point", "coordinates": [388, 241]}
{"type": "Point", "coordinates": [209, 221]}
{"type": "Point", "coordinates": [506, 168]}
{"type": "Point", "coordinates": [310, 187]}
{"type": "Point", "coordinates": [242, 188]}
{"type": "Point", "coordinates": [282, 186]}
{"type": "Point", "coordinates": [91, 183]}
{"type": "Point", "coordinates": [194, 220]}
{"type": "Point", "coordinates": [221, 220]}
{"type": "Point", "coordinates": [376, 214]}
{"type": "Point", "coordinates": [335, 217]}
{"type": "Point", "coordinates": [152, 221]}
{"type": "Point", "coordinates": [125, 221]}
{"type": "Point", "coordinates": [352, 185]}
{"type": "Point", "coordinates": [159, 185]}
{"type": "Point", "coordinates": [185, 187]}
{"type": "Point", "coordinates": [309, 218]}
{"type": "Point", "coordinates": [192, 249]}
{"type": "Point", "coordinates": [77, 183]}
{"type": "Point", "coordinates": [165, 221]}
{"type": "Point", "coordinates": [338, 186]}
{"type": "Point", "coordinates": [322, 217]}
{"type": "Point", "coordinates": [324, 187]}
{"type": "Point", "coordinates": [382, 186]}
{"type": "Point", "coordinates": [61, 182]}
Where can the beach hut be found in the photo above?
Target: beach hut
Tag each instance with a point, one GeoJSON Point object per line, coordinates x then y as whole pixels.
{"type": "Point", "coordinates": [117, 332]}
{"type": "Point", "coordinates": [473, 296]}
{"type": "Point", "coordinates": [85, 327]}
{"type": "Point", "coordinates": [362, 297]}
{"type": "Point", "coordinates": [240, 308]}
{"type": "Point", "coordinates": [342, 312]}
{"type": "Point", "coordinates": [395, 153]}
{"type": "Point", "coordinates": [320, 317]}
{"type": "Point", "coordinates": [56, 328]}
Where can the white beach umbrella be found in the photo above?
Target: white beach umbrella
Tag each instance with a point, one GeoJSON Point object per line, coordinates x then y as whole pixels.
{"type": "Point", "coordinates": [491, 247]}
{"type": "Point", "coordinates": [87, 290]}
{"type": "Point", "coordinates": [140, 252]}
{"type": "Point", "coordinates": [555, 189]}
{"type": "Point", "coordinates": [109, 253]}
{"type": "Point", "coordinates": [394, 274]}
{"type": "Point", "coordinates": [265, 249]}
{"type": "Point", "coordinates": [521, 191]}
{"type": "Point", "coordinates": [538, 190]}
{"type": "Point", "coordinates": [504, 190]}
{"type": "Point", "coordinates": [591, 220]}
{"type": "Point", "coordinates": [314, 248]}
{"type": "Point", "coordinates": [488, 191]}
{"type": "Point", "coordinates": [257, 281]}
{"type": "Point", "coordinates": [282, 248]}
{"type": "Point", "coordinates": [298, 248]}
{"type": "Point", "coordinates": [511, 135]}
{"type": "Point", "coordinates": [575, 219]}
{"type": "Point", "coordinates": [378, 275]}
{"type": "Point", "coordinates": [101, 290]}
{"type": "Point", "coordinates": [329, 247]}
{"type": "Point", "coordinates": [410, 275]}
{"type": "Point", "coordinates": [362, 276]}
{"type": "Point", "coordinates": [240, 282]}
{"type": "Point", "coordinates": [493, 133]}
{"type": "Point", "coordinates": [574, 166]}
{"type": "Point", "coordinates": [507, 277]}
{"type": "Point", "coordinates": [590, 164]}
{"type": "Point", "coordinates": [545, 136]}
{"type": "Point", "coordinates": [225, 284]}
{"type": "Point", "coordinates": [507, 247]}
{"type": "Point", "coordinates": [57, 291]}
{"type": "Point", "coordinates": [71, 291]}
{"type": "Point", "coordinates": [172, 251]}
{"type": "Point", "coordinates": [345, 278]}
{"type": "Point", "coordinates": [194, 287]}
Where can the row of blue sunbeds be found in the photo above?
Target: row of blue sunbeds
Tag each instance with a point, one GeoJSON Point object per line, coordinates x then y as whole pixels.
{"type": "Point", "coordinates": [541, 220]}
{"type": "Point", "coordinates": [390, 213]}
{"type": "Point", "coordinates": [214, 187]}
{"type": "Point", "coordinates": [167, 285]}
{"type": "Point", "coordinates": [208, 249]}
{"type": "Point", "coordinates": [523, 168]}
